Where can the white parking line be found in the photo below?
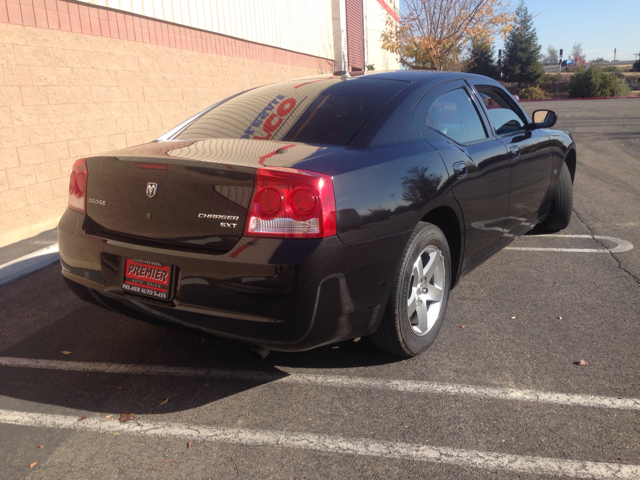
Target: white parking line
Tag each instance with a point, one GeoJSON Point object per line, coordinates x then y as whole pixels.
{"type": "Point", "coordinates": [621, 245]}
{"type": "Point", "coordinates": [331, 444]}
{"type": "Point", "coordinates": [408, 386]}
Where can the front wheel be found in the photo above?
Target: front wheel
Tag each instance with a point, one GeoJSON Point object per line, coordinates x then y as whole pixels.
{"type": "Point", "coordinates": [562, 205]}
{"type": "Point", "coordinates": [419, 295]}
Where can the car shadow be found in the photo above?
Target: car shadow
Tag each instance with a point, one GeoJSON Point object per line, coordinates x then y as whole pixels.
{"type": "Point", "coordinates": [43, 320]}
{"type": "Point", "coordinates": [537, 231]}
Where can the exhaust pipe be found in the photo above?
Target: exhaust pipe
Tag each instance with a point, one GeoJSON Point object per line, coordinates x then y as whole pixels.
{"type": "Point", "coordinates": [257, 352]}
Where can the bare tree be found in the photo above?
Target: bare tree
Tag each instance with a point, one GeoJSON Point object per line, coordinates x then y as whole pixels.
{"type": "Point", "coordinates": [552, 55]}
{"type": "Point", "coordinates": [433, 33]}
{"type": "Point", "coordinates": [576, 52]}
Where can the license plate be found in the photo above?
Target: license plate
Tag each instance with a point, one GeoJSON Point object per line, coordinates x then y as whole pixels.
{"type": "Point", "coordinates": [150, 279]}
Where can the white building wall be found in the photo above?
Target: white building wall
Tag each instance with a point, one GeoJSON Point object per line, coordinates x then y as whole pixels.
{"type": "Point", "coordinates": [299, 25]}
{"type": "Point", "coordinates": [375, 18]}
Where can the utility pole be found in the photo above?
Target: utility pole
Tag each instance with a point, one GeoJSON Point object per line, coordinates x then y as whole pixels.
{"type": "Point", "coordinates": [614, 54]}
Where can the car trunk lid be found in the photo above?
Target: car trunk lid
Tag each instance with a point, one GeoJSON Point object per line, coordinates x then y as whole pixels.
{"type": "Point", "coordinates": [191, 194]}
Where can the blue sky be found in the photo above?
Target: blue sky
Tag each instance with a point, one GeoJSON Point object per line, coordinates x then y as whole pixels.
{"type": "Point", "coordinates": [599, 25]}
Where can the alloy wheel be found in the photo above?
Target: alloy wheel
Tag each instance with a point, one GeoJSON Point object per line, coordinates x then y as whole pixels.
{"type": "Point", "coordinates": [426, 290]}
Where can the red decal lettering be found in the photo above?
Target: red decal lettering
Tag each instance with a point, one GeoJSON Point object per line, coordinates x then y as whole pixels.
{"type": "Point", "coordinates": [286, 107]}
{"type": "Point", "coordinates": [269, 126]}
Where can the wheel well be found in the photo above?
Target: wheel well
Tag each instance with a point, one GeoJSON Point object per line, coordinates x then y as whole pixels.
{"type": "Point", "coordinates": [570, 160]}
{"type": "Point", "coordinates": [446, 220]}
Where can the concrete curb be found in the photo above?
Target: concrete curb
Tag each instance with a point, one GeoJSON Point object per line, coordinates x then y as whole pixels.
{"type": "Point", "coordinates": [28, 264]}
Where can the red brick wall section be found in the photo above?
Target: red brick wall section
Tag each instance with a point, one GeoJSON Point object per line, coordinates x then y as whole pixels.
{"type": "Point", "coordinates": [100, 21]}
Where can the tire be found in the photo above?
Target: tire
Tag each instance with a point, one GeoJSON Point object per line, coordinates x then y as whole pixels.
{"type": "Point", "coordinates": [562, 205]}
{"type": "Point", "coordinates": [413, 317]}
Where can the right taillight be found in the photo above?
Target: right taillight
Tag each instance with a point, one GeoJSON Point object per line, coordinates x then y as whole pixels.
{"type": "Point", "coordinates": [78, 186]}
{"type": "Point", "coordinates": [290, 203]}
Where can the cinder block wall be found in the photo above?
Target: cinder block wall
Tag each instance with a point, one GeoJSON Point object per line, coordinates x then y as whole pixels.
{"type": "Point", "coordinates": [78, 80]}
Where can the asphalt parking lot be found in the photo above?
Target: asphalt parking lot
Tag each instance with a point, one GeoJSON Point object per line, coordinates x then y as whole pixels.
{"type": "Point", "coordinates": [499, 395]}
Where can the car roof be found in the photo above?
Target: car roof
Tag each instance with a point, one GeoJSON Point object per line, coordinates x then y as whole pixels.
{"type": "Point", "coordinates": [423, 76]}
{"type": "Point", "coordinates": [406, 75]}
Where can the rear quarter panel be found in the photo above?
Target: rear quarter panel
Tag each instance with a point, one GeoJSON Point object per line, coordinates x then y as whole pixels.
{"type": "Point", "coordinates": [389, 194]}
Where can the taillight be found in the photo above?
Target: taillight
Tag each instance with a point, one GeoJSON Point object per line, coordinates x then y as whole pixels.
{"type": "Point", "coordinates": [290, 203]}
{"type": "Point", "coordinates": [78, 186]}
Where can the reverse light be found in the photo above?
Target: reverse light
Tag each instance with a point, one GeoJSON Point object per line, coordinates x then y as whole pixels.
{"type": "Point", "coordinates": [78, 186]}
{"type": "Point", "coordinates": [290, 203]}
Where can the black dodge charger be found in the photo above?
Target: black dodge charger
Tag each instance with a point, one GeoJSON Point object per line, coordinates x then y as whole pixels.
{"type": "Point", "coordinates": [317, 210]}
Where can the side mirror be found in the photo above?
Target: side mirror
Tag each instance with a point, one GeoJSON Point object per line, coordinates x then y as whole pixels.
{"type": "Point", "coordinates": [544, 118]}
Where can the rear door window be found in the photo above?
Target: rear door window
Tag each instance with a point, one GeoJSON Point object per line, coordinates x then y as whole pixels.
{"type": "Point", "coordinates": [454, 115]}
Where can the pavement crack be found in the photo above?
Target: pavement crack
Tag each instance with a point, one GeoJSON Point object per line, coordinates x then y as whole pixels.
{"type": "Point", "coordinates": [593, 236]}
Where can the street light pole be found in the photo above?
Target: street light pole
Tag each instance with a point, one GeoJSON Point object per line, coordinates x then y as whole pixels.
{"type": "Point", "coordinates": [560, 62]}
{"type": "Point", "coordinates": [559, 75]}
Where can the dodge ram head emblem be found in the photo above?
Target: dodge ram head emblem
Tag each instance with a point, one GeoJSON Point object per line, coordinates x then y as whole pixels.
{"type": "Point", "coordinates": [152, 188]}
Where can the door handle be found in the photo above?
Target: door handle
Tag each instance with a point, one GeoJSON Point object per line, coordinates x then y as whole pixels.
{"type": "Point", "coordinates": [460, 169]}
{"type": "Point", "coordinates": [515, 151]}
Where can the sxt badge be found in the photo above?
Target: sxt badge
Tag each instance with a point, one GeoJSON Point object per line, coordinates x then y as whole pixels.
{"type": "Point", "coordinates": [228, 225]}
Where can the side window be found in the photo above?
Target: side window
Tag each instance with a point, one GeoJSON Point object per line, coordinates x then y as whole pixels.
{"type": "Point", "coordinates": [454, 115]}
{"type": "Point", "coordinates": [502, 116]}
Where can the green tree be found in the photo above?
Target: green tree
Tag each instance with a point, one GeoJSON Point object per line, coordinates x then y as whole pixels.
{"type": "Point", "coordinates": [482, 58]}
{"type": "Point", "coordinates": [596, 83]}
{"type": "Point", "coordinates": [521, 50]}
{"type": "Point", "coordinates": [533, 93]}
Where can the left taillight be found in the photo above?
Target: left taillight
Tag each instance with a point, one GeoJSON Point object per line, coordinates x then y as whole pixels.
{"type": "Point", "coordinates": [78, 186]}
{"type": "Point", "coordinates": [290, 203]}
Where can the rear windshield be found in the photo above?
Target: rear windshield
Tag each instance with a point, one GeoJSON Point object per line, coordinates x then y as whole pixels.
{"type": "Point", "coordinates": [325, 111]}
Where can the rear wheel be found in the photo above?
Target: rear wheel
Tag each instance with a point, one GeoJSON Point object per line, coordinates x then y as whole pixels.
{"type": "Point", "coordinates": [562, 206]}
{"type": "Point", "coordinates": [419, 295]}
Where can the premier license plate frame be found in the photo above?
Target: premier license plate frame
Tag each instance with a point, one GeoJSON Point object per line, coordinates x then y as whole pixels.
{"type": "Point", "coordinates": [148, 279]}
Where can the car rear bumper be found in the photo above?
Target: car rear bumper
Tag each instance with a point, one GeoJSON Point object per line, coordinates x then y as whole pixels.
{"type": "Point", "coordinates": [282, 294]}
